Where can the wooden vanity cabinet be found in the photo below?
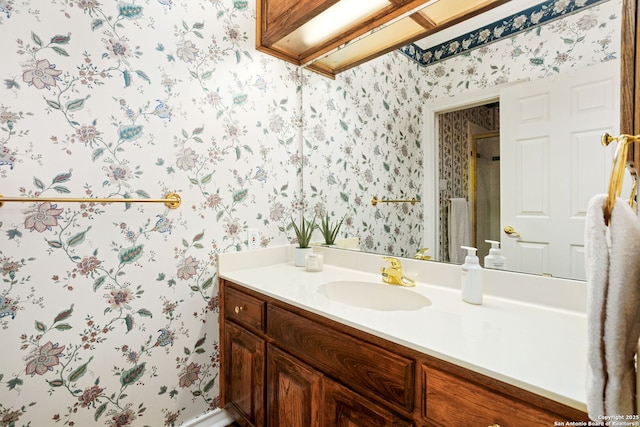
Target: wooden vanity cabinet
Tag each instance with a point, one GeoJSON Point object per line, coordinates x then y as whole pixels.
{"type": "Point", "coordinates": [284, 366]}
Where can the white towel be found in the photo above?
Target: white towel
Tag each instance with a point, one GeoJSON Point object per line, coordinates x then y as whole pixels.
{"type": "Point", "coordinates": [597, 274]}
{"type": "Point", "coordinates": [613, 308]}
{"type": "Point", "coordinates": [459, 230]}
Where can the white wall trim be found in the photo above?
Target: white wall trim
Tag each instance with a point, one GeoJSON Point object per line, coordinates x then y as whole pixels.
{"type": "Point", "coordinates": [217, 418]}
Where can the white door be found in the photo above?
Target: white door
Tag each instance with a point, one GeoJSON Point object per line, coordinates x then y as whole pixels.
{"type": "Point", "coordinates": [552, 163]}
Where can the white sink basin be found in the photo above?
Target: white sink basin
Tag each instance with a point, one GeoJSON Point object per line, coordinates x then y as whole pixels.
{"type": "Point", "coordinates": [376, 296]}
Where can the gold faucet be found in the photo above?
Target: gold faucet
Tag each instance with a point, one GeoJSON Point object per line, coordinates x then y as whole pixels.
{"type": "Point", "coordinates": [393, 274]}
{"type": "Point", "coordinates": [422, 254]}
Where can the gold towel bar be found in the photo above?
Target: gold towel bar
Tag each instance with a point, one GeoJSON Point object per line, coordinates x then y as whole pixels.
{"type": "Point", "coordinates": [171, 200]}
{"type": "Point", "coordinates": [617, 171]}
{"type": "Point", "coordinates": [375, 201]}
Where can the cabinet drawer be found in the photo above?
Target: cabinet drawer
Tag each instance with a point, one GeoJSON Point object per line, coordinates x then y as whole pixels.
{"type": "Point", "coordinates": [368, 369]}
{"type": "Point", "coordinates": [244, 309]}
{"type": "Point", "coordinates": [450, 401]}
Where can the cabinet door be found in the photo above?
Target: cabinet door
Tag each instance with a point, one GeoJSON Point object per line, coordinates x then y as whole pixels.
{"type": "Point", "coordinates": [244, 374]}
{"type": "Point", "coordinates": [294, 391]}
{"type": "Point", "coordinates": [344, 408]}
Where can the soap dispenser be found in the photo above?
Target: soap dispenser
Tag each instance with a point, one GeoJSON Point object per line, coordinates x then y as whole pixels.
{"type": "Point", "coordinates": [495, 259]}
{"type": "Point", "coordinates": [471, 277]}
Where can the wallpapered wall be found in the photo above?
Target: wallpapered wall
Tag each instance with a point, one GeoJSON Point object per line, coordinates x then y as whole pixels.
{"type": "Point", "coordinates": [108, 312]}
{"type": "Point", "coordinates": [364, 131]}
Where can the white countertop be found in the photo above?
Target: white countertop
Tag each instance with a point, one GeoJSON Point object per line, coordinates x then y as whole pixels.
{"type": "Point", "coordinates": [538, 347]}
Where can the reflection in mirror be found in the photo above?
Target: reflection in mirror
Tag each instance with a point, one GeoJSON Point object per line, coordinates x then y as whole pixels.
{"type": "Point", "coordinates": [457, 133]}
{"type": "Point", "coordinates": [366, 132]}
{"type": "Point", "coordinates": [484, 178]}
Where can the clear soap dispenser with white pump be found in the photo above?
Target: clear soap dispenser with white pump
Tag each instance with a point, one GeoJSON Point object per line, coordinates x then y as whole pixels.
{"type": "Point", "coordinates": [471, 277]}
{"type": "Point", "coordinates": [495, 259]}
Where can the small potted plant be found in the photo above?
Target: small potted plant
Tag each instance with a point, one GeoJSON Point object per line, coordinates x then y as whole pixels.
{"type": "Point", "coordinates": [329, 230]}
{"type": "Point", "coordinates": [303, 234]}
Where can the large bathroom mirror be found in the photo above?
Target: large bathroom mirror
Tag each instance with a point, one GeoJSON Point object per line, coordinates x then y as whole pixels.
{"type": "Point", "coordinates": [378, 130]}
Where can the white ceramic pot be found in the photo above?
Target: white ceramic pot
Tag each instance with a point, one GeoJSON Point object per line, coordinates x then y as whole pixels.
{"type": "Point", "coordinates": [300, 255]}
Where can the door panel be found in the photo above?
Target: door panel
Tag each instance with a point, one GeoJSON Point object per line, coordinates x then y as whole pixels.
{"type": "Point", "coordinates": [294, 391]}
{"type": "Point", "coordinates": [552, 163]}
{"type": "Point", "coordinates": [244, 372]}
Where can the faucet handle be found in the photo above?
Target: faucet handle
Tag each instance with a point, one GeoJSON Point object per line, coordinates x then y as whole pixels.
{"type": "Point", "coordinates": [395, 262]}
{"type": "Point", "coordinates": [422, 254]}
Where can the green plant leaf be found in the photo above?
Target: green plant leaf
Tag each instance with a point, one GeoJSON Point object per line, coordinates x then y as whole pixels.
{"type": "Point", "coordinates": [209, 385]}
{"type": "Point", "coordinates": [132, 375]}
{"type": "Point", "coordinates": [64, 314]}
{"type": "Point", "coordinates": [207, 284]}
{"type": "Point", "coordinates": [78, 238]}
{"type": "Point", "coordinates": [54, 244]}
{"type": "Point", "coordinates": [130, 255]}
{"type": "Point", "coordinates": [63, 327]}
{"type": "Point", "coordinates": [60, 39]}
{"type": "Point", "coordinates": [79, 371]}
{"type": "Point", "coordinates": [128, 321]}
{"type": "Point", "coordinates": [40, 326]}
{"type": "Point", "coordinates": [98, 282]}
{"type": "Point", "coordinates": [304, 231]}
{"type": "Point", "coordinates": [75, 105]}
{"type": "Point", "coordinates": [36, 39]}
{"type": "Point", "coordinates": [99, 411]}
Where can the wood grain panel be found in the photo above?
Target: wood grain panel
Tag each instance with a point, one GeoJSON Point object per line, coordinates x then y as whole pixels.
{"type": "Point", "coordinates": [451, 401]}
{"type": "Point", "coordinates": [370, 370]}
{"type": "Point", "coordinates": [294, 392]}
{"type": "Point", "coordinates": [630, 69]}
{"type": "Point", "coordinates": [281, 17]}
{"type": "Point", "coordinates": [243, 374]}
{"type": "Point", "coordinates": [344, 408]}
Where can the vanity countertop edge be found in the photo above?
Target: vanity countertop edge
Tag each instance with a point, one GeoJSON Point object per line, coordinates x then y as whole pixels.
{"type": "Point", "coordinates": [531, 335]}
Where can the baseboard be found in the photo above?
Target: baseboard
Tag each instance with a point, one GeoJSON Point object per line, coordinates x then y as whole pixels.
{"type": "Point", "coordinates": [217, 418]}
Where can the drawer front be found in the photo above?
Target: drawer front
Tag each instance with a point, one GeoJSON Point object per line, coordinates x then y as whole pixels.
{"type": "Point", "coordinates": [366, 368]}
{"type": "Point", "coordinates": [344, 408]}
{"type": "Point", "coordinates": [450, 401]}
{"type": "Point", "coordinates": [244, 309]}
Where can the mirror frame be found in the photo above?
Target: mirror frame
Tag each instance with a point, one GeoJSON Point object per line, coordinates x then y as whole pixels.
{"type": "Point", "coordinates": [630, 67]}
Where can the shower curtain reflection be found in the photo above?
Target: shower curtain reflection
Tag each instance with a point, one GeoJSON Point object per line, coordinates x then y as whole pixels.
{"type": "Point", "coordinates": [484, 166]}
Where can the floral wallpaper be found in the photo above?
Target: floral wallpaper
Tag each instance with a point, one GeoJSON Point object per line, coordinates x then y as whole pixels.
{"type": "Point", "coordinates": [108, 312]}
{"type": "Point", "coordinates": [363, 133]}
{"type": "Point", "coordinates": [362, 137]}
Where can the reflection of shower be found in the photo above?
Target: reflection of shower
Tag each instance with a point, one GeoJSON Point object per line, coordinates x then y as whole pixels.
{"type": "Point", "coordinates": [486, 209]}
{"type": "Point", "coordinates": [456, 130]}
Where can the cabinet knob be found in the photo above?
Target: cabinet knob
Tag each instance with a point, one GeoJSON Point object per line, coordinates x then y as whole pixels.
{"type": "Point", "coordinates": [239, 308]}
